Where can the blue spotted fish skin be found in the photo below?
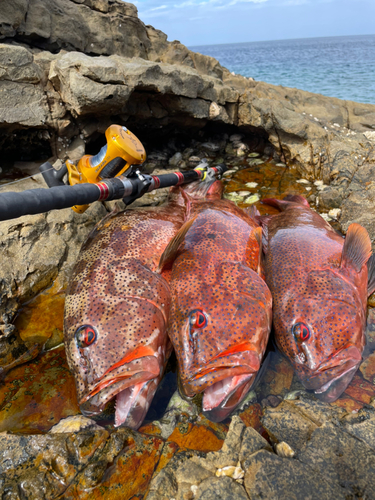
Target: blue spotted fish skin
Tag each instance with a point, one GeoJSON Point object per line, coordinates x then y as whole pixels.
{"type": "Point", "coordinates": [221, 307]}
{"type": "Point", "coordinates": [319, 295]}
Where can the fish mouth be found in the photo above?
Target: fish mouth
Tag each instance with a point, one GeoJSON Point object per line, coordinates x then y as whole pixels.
{"type": "Point", "coordinates": [132, 389]}
{"type": "Point", "coordinates": [333, 376]}
{"type": "Point", "coordinates": [220, 367]}
{"type": "Point", "coordinates": [223, 397]}
{"type": "Point", "coordinates": [335, 387]}
{"type": "Point", "coordinates": [224, 382]}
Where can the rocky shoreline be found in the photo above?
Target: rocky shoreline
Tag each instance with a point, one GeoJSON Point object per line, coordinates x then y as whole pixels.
{"type": "Point", "coordinates": [68, 69]}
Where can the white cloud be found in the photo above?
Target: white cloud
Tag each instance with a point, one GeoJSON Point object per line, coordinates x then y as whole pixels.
{"type": "Point", "coordinates": [159, 8]}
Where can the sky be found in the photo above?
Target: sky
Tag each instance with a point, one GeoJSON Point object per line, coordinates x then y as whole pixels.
{"type": "Point", "coordinates": [205, 22]}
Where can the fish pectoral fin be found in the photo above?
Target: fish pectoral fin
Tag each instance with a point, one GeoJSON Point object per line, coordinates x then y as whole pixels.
{"type": "Point", "coordinates": [357, 248]}
{"type": "Point", "coordinates": [170, 252]}
{"type": "Point", "coordinates": [371, 275]}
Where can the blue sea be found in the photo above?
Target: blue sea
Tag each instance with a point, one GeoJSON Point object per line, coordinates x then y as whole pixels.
{"type": "Point", "coordinates": [340, 66]}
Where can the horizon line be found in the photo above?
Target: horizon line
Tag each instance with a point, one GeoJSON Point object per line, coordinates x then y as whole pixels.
{"type": "Point", "coordinates": [277, 40]}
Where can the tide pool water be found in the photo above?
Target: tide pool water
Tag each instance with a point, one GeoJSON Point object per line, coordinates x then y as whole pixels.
{"type": "Point", "coordinates": [341, 67]}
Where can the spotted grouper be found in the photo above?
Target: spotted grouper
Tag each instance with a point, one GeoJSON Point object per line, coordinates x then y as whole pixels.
{"type": "Point", "coordinates": [319, 285]}
{"type": "Point", "coordinates": [221, 307]}
{"type": "Point", "coordinates": [117, 309]}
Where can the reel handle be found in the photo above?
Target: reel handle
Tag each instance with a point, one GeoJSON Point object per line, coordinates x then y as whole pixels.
{"type": "Point", "coordinates": [53, 177]}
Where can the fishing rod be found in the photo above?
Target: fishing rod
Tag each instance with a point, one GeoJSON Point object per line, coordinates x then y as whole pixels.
{"type": "Point", "coordinates": [113, 174]}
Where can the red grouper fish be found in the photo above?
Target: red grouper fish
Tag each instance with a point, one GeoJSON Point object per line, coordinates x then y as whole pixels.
{"type": "Point", "coordinates": [117, 309]}
{"type": "Point", "coordinates": [220, 315]}
{"type": "Point", "coordinates": [319, 285]}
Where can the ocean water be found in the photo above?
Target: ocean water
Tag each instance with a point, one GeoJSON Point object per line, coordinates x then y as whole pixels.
{"type": "Point", "coordinates": [341, 66]}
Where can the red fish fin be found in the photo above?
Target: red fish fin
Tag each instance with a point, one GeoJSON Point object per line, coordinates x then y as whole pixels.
{"type": "Point", "coordinates": [252, 212]}
{"type": "Point", "coordinates": [258, 233]}
{"type": "Point", "coordinates": [357, 248]}
{"type": "Point", "coordinates": [263, 220]}
{"type": "Point", "coordinates": [169, 254]}
{"type": "Point", "coordinates": [283, 204]}
{"type": "Point", "coordinates": [371, 275]}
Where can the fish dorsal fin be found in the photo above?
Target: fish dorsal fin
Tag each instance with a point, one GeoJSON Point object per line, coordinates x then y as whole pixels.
{"type": "Point", "coordinates": [282, 205]}
{"type": "Point", "coordinates": [357, 248]}
{"type": "Point", "coordinates": [170, 252]}
{"type": "Point", "coordinates": [258, 236]}
{"type": "Point", "coordinates": [297, 198]}
{"type": "Point", "coordinates": [371, 275]}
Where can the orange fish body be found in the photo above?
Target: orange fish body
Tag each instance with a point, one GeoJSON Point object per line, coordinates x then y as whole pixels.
{"type": "Point", "coordinates": [318, 282]}
{"type": "Point", "coordinates": [221, 308]}
{"type": "Point", "coordinates": [117, 308]}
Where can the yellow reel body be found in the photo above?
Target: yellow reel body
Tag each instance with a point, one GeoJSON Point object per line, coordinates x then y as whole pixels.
{"type": "Point", "coordinates": [123, 149]}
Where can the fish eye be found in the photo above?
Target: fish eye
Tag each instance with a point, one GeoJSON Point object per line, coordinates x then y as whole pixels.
{"type": "Point", "coordinates": [301, 332]}
{"type": "Point", "coordinates": [198, 319]}
{"type": "Point", "coordinates": [85, 336]}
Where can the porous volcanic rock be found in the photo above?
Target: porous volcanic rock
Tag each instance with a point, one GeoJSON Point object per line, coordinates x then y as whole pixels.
{"type": "Point", "coordinates": [335, 459]}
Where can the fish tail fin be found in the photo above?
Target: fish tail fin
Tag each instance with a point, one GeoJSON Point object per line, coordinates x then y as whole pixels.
{"type": "Point", "coordinates": [371, 275]}
{"type": "Point", "coordinates": [285, 203]}
{"type": "Point", "coordinates": [357, 248]}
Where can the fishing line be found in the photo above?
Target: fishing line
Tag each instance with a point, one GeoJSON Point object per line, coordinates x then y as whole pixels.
{"type": "Point", "coordinates": [24, 178]}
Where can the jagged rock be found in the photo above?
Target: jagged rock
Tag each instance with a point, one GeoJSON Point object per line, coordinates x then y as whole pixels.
{"type": "Point", "coordinates": [270, 476]}
{"type": "Point", "coordinates": [341, 459]}
{"type": "Point", "coordinates": [252, 441]}
{"type": "Point", "coordinates": [285, 423]}
{"type": "Point", "coordinates": [230, 451]}
{"type": "Point", "coordinates": [224, 488]}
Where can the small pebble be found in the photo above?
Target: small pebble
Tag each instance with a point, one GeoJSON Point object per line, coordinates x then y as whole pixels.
{"type": "Point", "coordinates": [242, 193]}
{"type": "Point", "coordinates": [256, 161]}
{"type": "Point", "coordinates": [252, 199]}
{"type": "Point", "coordinates": [235, 137]}
{"type": "Point", "coordinates": [318, 183]}
{"type": "Point", "coordinates": [280, 165]}
{"type": "Point", "coordinates": [253, 155]}
{"type": "Point", "coordinates": [251, 185]}
{"type": "Point", "coordinates": [308, 188]}
{"type": "Point", "coordinates": [228, 172]}
{"type": "Point", "coordinates": [284, 450]}
{"type": "Point", "coordinates": [326, 217]}
{"type": "Point", "coordinates": [74, 424]}
{"type": "Point", "coordinates": [235, 472]}
{"type": "Point", "coordinates": [334, 213]}
{"type": "Point", "coordinates": [194, 489]}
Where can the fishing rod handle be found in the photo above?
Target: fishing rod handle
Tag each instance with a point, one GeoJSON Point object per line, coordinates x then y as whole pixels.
{"type": "Point", "coordinates": [37, 201]}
